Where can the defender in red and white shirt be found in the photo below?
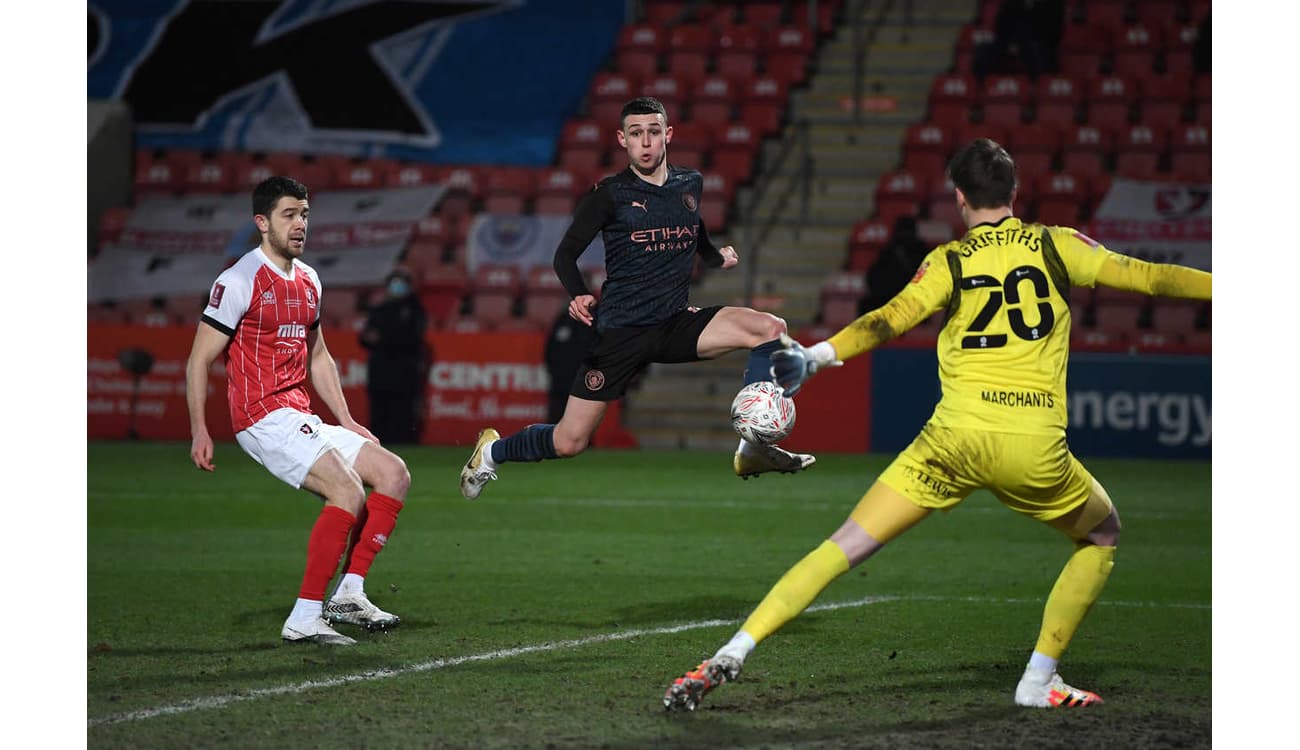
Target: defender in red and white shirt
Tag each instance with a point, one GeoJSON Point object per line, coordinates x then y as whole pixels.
{"type": "Point", "coordinates": [264, 316]}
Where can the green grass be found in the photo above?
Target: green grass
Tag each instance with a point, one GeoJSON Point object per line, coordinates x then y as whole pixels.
{"type": "Point", "coordinates": [190, 577]}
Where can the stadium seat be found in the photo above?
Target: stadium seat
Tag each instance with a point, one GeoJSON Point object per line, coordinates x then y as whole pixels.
{"type": "Point", "coordinates": [544, 296]}
{"type": "Point", "coordinates": [1189, 153]}
{"type": "Point", "coordinates": [689, 52]}
{"type": "Point", "coordinates": [638, 50]}
{"type": "Point", "coordinates": [765, 118]}
{"type": "Point", "coordinates": [582, 145]}
{"type": "Point", "coordinates": [898, 193]}
{"type": "Point", "coordinates": [669, 89]}
{"type": "Point", "coordinates": [508, 190]}
{"type": "Point", "coordinates": [926, 147]}
{"type": "Point", "coordinates": [737, 51]}
{"type": "Point", "coordinates": [840, 294]}
{"type": "Point", "coordinates": [359, 175]}
{"type": "Point", "coordinates": [423, 256]}
{"type": "Point", "coordinates": [867, 239]}
{"type": "Point", "coordinates": [735, 149]}
{"type": "Point", "coordinates": [713, 101]}
{"type": "Point", "coordinates": [713, 212]}
{"type": "Point", "coordinates": [952, 97]}
{"type": "Point", "coordinates": [786, 52]}
{"type": "Point", "coordinates": [1060, 199]}
{"type": "Point", "coordinates": [765, 15]}
{"type": "Point", "coordinates": [664, 13]}
{"type": "Point", "coordinates": [1003, 98]}
{"type": "Point", "coordinates": [495, 289]}
{"type": "Point", "coordinates": [1174, 317]}
{"type": "Point", "coordinates": [1155, 13]}
{"type": "Point", "coordinates": [409, 175]}
{"type": "Point", "coordinates": [1036, 148]}
{"type": "Point", "coordinates": [1117, 318]}
{"type": "Point", "coordinates": [691, 144]}
{"type": "Point", "coordinates": [1086, 150]}
{"type": "Point", "coordinates": [463, 191]}
{"type": "Point", "coordinates": [1057, 100]}
{"type": "Point", "coordinates": [608, 92]}
{"type": "Point", "coordinates": [1135, 51]}
{"type": "Point", "coordinates": [442, 291]}
{"type": "Point", "coordinates": [1110, 14]}
{"type": "Point", "coordinates": [1082, 50]}
{"type": "Point", "coordinates": [824, 11]}
{"type": "Point", "coordinates": [557, 192]}
{"type": "Point", "coordinates": [1139, 150]}
{"type": "Point", "coordinates": [1110, 102]}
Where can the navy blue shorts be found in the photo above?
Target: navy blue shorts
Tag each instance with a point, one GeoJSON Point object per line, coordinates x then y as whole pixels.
{"type": "Point", "coordinates": [623, 353]}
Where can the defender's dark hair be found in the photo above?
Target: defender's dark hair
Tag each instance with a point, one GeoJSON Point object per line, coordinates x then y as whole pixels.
{"type": "Point", "coordinates": [985, 174]}
{"type": "Point", "coordinates": [272, 189]}
{"type": "Point", "coordinates": [642, 105]}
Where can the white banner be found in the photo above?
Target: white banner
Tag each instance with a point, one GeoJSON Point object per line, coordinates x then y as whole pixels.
{"type": "Point", "coordinates": [1161, 222]}
{"type": "Point", "coordinates": [175, 246]}
{"type": "Point", "coordinates": [524, 242]}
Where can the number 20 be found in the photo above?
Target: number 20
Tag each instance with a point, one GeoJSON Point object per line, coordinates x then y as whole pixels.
{"type": "Point", "coordinates": [1011, 292]}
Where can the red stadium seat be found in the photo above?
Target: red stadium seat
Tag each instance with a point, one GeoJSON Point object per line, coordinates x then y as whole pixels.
{"type": "Point", "coordinates": [717, 185]}
{"type": "Point", "coordinates": [866, 241]}
{"type": "Point", "coordinates": [1057, 100]}
{"type": "Point", "coordinates": [925, 148]}
{"type": "Point", "coordinates": [1082, 50]}
{"type": "Point", "coordinates": [735, 149]}
{"type": "Point", "coordinates": [689, 52]}
{"type": "Point", "coordinates": [1136, 49]}
{"type": "Point", "coordinates": [638, 50]}
{"type": "Point", "coordinates": [607, 94]}
{"type": "Point", "coordinates": [971, 38]}
{"type": "Point", "coordinates": [1110, 101]}
{"type": "Point", "coordinates": [713, 101]}
{"type": "Point", "coordinates": [1035, 147]}
{"type": "Point", "coordinates": [898, 194]}
{"type": "Point", "coordinates": [786, 52]}
{"type": "Point", "coordinates": [952, 97]}
{"type": "Point", "coordinates": [691, 143]}
{"type": "Point", "coordinates": [824, 11]}
{"type": "Point", "coordinates": [1174, 317]}
{"type": "Point", "coordinates": [509, 190]}
{"type": "Point", "coordinates": [495, 289]}
{"type": "Point", "coordinates": [667, 88]}
{"type": "Point", "coordinates": [1003, 99]}
{"type": "Point", "coordinates": [360, 175]}
{"type": "Point", "coordinates": [840, 294]}
{"type": "Point", "coordinates": [661, 13]}
{"type": "Point", "coordinates": [1111, 14]}
{"type": "Point", "coordinates": [543, 296]}
{"type": "Point", "coordinates": [1189, 154]}
{"type": "Point", "coordinates": [557, 192]}
{"type": "Point", "coordinates": [409, 175]}
{"type": "Point", "coordinates": [1139, 150]}
{"type": "Point", "coordinates": [1086, 150]}
{"type": "Point", "coordinates": [1155, 13]}
{"type": "Point", "coordinates": [765, 118]}
{"type": "Point", "coordinates": [582, 145]}
{"type": "Point", "coordinates": [1061, 198]}
{"type": "Point", "coordinates": [764, 15]}
{"type": "Point", "coordinates": [1118, 318]}
{"type": "Point", "coordinates": [737, 51]}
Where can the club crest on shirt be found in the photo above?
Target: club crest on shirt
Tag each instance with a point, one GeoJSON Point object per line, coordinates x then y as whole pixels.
{"type": "Point", "coordinates": [920, 272]}
{"type": "Point", "coordinates": [268, 297]}
{"type": "Point", "coordinates": [218, 291]}
{"type": "Point", "coordinates": [595, 380]}
{"type": "Point", "coordinates": [689, 201]}
{"type": "Point", "coordinates": [311, 297]}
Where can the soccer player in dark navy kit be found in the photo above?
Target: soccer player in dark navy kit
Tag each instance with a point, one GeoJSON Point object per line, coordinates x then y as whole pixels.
{"type": "Point", "coordinates": [650, 219]}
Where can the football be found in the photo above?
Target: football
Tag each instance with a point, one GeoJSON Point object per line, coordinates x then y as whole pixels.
{"type": "Point", "coordinates": [760, 414]}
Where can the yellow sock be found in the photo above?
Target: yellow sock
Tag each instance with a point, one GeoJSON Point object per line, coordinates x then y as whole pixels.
{"type": "Point", "coordinates": [796, 590]}
{"type": "Point", "coordinates": [1075, 591]}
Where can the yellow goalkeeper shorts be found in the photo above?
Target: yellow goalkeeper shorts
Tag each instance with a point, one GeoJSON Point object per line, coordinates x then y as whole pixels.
{"type": "Point", "coordinates": [1031, 474]}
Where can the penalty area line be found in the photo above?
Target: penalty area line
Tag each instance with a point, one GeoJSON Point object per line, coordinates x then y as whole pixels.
{"type": "Point", "coordinates": [221, 701]}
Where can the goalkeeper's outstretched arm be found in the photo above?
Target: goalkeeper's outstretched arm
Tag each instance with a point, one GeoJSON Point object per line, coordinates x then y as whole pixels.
{"type": "Point", "coordinates": [1159, 279]}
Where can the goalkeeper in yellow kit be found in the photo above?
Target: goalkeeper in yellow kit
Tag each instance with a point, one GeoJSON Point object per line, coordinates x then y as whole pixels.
{"type": "Point", "coordinates": [1000, 425]}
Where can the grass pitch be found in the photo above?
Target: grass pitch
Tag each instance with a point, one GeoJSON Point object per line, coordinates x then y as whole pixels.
{"type": "Point", "coordinates": [553, 611]}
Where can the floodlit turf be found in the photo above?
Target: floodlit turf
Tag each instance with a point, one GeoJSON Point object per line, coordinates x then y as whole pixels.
{"type": "Point", "coordinates": [555, 610]}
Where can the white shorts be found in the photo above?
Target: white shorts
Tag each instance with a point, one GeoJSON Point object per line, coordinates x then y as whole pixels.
{"type": "Point", "coordinates": [288, 443]}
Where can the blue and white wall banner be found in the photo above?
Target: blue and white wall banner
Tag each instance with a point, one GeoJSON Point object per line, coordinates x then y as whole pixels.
{"type": "Point", "coordinates": [524, 242]}
{"type": "Point", "coordinates": [478, 81]}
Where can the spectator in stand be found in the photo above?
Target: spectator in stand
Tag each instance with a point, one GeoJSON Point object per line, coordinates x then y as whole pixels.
{"type": "Point", "coordinates": [394, 336]}
{"type": "Point", "coordinates": [1024, 31]}
{"type": "Point", "coordinates": [895, 265]}
{"type": "Point", "coordinates": [566, 346]}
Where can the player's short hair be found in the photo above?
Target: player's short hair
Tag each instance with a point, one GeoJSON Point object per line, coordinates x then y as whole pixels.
{"type": "Point", "coordinates": [269, 191]}
{"type": "Point", "coordinates": [985, 173]}
{"type": "Point", "coordinates": [643, 105]}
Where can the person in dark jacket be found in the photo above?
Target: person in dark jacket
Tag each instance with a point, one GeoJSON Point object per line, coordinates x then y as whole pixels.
{"type": "Point", "coordinates": [895, 265]}
{"type": "Point", "coordinates": [399, 358]}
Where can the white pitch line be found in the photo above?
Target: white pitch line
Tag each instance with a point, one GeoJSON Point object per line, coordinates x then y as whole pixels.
{"type": "Point", "coordinates": [221, 701]}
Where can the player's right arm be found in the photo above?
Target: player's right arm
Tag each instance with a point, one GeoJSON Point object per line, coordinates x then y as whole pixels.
{"type": "Point", "coordinates": [927, 293]}
{"type": "Point", "coordinates": [591, 214]}
{"type": "Point", "coordinates": [208, 344]}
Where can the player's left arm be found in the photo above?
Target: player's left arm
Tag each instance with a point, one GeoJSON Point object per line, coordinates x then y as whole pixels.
{"type": "Point", "coordinates": [714, 257]}
{"type": "Point", "coordinates": [324, 374]}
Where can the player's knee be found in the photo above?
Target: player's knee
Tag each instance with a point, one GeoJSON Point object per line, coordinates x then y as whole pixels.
{"type": "Point", "coordinates": [396, 480]}
{"type": "Point", "coordinates": [1106, 533]}
{"type": "Point", "coordinates": [567, 446]}
{"type": "Point", "coordinates": [350, 495]}
{"type": "Point", "coordinates": [770, 327]}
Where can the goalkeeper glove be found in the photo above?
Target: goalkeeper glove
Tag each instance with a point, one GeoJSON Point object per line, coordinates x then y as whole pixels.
{"type": "Point", "coordinates": [793, 363]}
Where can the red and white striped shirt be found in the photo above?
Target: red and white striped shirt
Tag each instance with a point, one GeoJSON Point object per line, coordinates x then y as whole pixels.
{"type": "Point", "coordinates": [267, 314]}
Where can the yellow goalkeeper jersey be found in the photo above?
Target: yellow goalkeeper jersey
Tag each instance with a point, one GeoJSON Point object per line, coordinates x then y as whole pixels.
{"type": "Point", "coordinates": [1005, 291]}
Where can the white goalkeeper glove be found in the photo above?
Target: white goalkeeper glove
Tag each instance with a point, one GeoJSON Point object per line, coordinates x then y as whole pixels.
{"type": "Point", "coordinates": [793, 363]}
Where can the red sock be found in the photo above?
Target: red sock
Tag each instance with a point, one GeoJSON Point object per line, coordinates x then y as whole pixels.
{"type": "Point", "coordinates": [381, 516]}
{"type": "Point", "coordinates": [362, 516]}
{"type": "Point", "coordinates": [329, 537]}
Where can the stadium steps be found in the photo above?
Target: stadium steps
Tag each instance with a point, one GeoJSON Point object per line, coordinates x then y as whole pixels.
{"type": "Point", "coordinates": [688, 405]}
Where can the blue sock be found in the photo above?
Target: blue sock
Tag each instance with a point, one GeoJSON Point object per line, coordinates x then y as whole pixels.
{"type": "Point", "coordinates": [760, 361]}
{"type": "Point", "coordinates": [533, 443]}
